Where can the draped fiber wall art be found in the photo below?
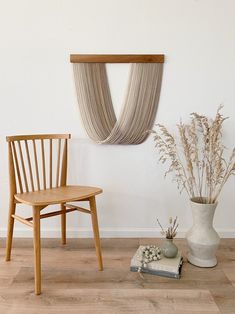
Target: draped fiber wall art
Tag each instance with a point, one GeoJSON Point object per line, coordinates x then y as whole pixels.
{"type": "Point", "coordinates": [95, 101]}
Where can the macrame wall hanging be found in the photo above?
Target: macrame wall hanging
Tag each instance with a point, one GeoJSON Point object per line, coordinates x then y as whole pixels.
{"type": "Point", "coordinates": [95, 102]}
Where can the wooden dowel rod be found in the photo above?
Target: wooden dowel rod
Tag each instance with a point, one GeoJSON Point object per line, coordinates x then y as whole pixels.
{"type": "Point", "coordinates": [17, 167]}
{"type": "Point", "coordinates": [80, 209]}
{"type": "Point", "coordinates": [58, 212]}
{"type": "Point", "coordinates": [36, 163]}
{"type": "Point", "coordinates": [43, 164]}
{"type": "Point", "coordinates": [58, 164]}
{"type": "Point", "coordinates": [84, 58]}
{"type": "Point", "coordinates": [51, 152]}
{"type": "Point", "coordinates": [29, 164]}
{"type": "Point", "coordinates": [23, 166]}
{"type": "Point", "coordinates": [63, 175]}
{"type": "Point", "coordinates": [24, 221]}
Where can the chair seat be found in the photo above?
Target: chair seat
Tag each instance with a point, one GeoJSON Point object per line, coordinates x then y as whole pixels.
{"type": "Point", "coordinates": [58, 195]}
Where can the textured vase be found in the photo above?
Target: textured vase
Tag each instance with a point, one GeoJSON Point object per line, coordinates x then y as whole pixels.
{"type": "Point", "coordinates": [202, 238]}
{"type": "Point", "coordinates": [169, 248]}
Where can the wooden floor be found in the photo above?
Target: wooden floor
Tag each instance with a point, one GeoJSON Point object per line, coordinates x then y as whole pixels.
{"type": "Point", "coordinates": [72, 284]}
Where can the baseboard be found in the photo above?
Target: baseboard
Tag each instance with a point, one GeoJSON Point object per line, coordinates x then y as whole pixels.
{"type": "Point", "coordinates": [108, 233]}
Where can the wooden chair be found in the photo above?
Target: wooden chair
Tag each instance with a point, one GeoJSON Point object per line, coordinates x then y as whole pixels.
{"type": "Point", "coordinates": [31, 184]}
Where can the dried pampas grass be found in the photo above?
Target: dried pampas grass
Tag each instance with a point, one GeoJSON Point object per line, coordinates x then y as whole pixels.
{"type": "Point", "coordinates": [197, 162]}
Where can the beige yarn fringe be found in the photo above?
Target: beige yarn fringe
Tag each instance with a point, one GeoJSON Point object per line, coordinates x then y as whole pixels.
{"type": "Point", "coordinates": [139, 109]}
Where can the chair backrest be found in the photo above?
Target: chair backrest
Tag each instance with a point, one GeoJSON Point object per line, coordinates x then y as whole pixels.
{"type": "Point", "coordinates": [37, 162]}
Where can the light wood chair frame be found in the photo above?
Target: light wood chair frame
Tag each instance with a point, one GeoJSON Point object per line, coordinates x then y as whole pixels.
{"type": "Point", "coordinates": [34, 221]}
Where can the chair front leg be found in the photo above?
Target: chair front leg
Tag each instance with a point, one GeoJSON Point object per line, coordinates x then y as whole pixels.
{"type": "Point", "coordinates": [37, 249]}
{"type": "Point", "coordinates": [12, 207]}
{"type": "Point", "coordinates": [96, 231]}
{"type": "Point", "coordinates": [63, 224]}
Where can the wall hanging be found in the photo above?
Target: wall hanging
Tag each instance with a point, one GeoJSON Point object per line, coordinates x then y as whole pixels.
{"type": "Point", "coordinates": [95, 102]}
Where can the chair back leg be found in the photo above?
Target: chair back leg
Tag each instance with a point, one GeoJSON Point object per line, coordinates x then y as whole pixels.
{"type": "Point", "coordinates": [63, 224]}
{"type": "Point", "coordinates": [11, 220]}
{"type": "Point", "coordinates": [95, 226]}
{"type": "Point", "coordinates": [37, 249]}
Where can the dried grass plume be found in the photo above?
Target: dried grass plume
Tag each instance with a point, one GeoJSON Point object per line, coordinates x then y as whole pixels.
{"type": "Point", "coordinates": [197, 160]}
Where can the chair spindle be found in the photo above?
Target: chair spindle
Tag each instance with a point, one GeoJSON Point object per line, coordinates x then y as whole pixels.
{"type": "Point", "coordinates": [36, 164]}
{"type": "Point", "coordinates": [58, 163]}
{"type": "Point", "coordinates": [43, 164]}
{"type": "Point", "coordinates": [17, 167]}
{"type": "Point", "coordinates": [51, 163]}
{"type": "Point", "coordinates": [29, 164]}
{"type": "Point", "coordinates": [23, 167]}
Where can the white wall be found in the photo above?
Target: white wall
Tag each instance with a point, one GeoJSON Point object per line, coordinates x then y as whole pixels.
{"type": "Point", "coordinates": [37, 95]}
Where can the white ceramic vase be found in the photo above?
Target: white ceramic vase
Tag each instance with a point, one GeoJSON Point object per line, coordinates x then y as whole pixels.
{"type": "Point", "coordinates": [202, 238]}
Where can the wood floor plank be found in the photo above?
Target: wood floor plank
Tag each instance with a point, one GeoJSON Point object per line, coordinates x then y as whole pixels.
{"type": "Point", "coordinates": [113, 300]}
{"type": "Point", "coordinates": [230, 273]}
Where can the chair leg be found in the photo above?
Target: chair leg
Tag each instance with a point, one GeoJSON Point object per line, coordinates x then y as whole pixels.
{"type": "Point", "coordinates": [37, 249]}
{"type": "Point", "coordinates": [96, 231]}
{"type": "Point", "coordinates": [11, 220]}
{"type": "Point", "coordinates": [63, 225]}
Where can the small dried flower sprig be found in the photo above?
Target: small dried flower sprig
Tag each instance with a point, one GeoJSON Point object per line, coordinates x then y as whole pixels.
{"type": "Point", "coordinates": [171, 231]}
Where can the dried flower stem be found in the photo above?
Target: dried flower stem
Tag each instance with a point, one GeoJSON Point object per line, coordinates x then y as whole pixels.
{"type": "Point", "coordinates": [171, 231]}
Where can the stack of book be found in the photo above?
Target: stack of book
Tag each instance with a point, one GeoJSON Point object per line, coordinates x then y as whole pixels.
{"type": "Point", "coordinates": [166, 267]}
